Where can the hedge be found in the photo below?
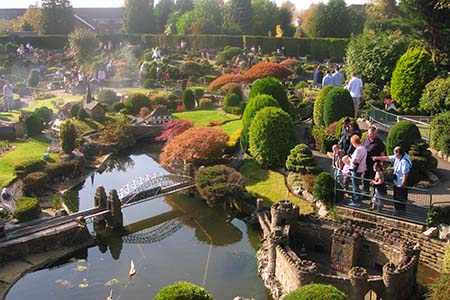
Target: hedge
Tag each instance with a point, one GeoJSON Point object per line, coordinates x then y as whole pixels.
{"type": "Point", "coordinates": [440, 132]}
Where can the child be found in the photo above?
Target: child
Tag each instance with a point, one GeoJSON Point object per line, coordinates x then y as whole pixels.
{"type": "Point", "coordinates": [346, 170]}
{"type": "Point", "coordinates": [379, 186]}
{"type": "Point", "coordinates": [336, 161]}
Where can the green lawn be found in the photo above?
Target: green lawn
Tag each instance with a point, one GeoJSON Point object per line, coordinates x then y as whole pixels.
{"type": "Point", "coordinates": [269, 185]}
{"type": "Point", "coordinates": [28, 150]}
{"type": "Point", "coordinates": [204, 117]}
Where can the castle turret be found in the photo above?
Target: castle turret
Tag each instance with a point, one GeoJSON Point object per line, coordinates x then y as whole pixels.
{"type": "Point", "coordinates": [358, 278]}
{"type": "Point", "coordinates": [345, 249]}
{"type": "Point", "coordinates": [115, 207]}
{"type": "Point", "coordinates": [284, 213]}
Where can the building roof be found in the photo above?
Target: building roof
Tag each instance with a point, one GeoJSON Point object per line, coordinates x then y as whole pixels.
{"type": "Point", "coordinates": [159, 111]}
{"type": "Point", "coordinates": [90, 105]}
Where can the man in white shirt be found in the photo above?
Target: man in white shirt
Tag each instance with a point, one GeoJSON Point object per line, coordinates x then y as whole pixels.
{"type": "Point", "coordinates": [8, 96]}
{"type": "Point", "coordinates": [355, 87]}
{"type": "Point", "coordinates": [338, 77]}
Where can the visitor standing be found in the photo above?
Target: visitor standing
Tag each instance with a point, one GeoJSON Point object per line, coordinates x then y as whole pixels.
{"type": "Point", "coordinates": [338, 77]}
{"type": "Point", "coordinates": [328, 79]}
{"type": "Point", "coordinates": [402, 168]}
{"type": "Point", "coordinates": [375, 147]}
{"type": "Point", "coordinates": [357, 167]}
{"type": "Point", "coordinates": [8, 96]}
{"type": "Point", "coordinates": [379, 187]}
{"type": "Point", "coordinates": [355, 87]}
{"type": "Point", "coordinates": [317, 77]}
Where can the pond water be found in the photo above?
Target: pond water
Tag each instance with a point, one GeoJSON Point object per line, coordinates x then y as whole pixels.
{"type": "Point", "coordinates": [170, 239]}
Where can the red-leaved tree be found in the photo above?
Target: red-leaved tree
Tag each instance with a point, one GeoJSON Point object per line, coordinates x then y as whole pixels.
{"type": "Point", "coordinates": [289, 62]}
{"type": "Point", "coordinates": [198, 145]}
{"type": "Point", "coordinates": [226, 79]}
{"type": "Point", "coordinates": [267, 69]}
{"type": "Point", "coordinates": [173, 129]}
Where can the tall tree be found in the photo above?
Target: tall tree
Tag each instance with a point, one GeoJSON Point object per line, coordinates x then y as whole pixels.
{"type": "Point", "coordinates": [162, 11]}
{"type": "Point", "coordinates": [265, 17]}
{"type": "Point", "coordinates": [138, 16]}
{"type": "Point", "coordinates": [285, 19]}
{"type": "Point", "coordinates": [238, 16]}
{"type": "Point", "coordinates": [57, 17]}
{"type": "Point", "coordinates": [382, 9]}
{"type": "Point", "coordinates": [431, 23]}
{"type": "Point", "coordinates": [82, 43]}
{"type": "Point", "coordinates": [30, 20]}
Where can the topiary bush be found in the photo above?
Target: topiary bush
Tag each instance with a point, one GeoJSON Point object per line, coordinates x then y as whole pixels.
{"type": "Point", "coordinates": [412, 72]}
{"type": "Point", "coordinates": [301, 160]}
{"type": "Point", "coordinates": [316, 291]}
{"type": "Point", "coordinates": [324, 140]}
{"type": "Point", "coordinates": [319, 103]}
{"type": "Point", "coordinates": [118, 106]}
{"type": "Point", "coordinates": [44, 113]}
{"type": "Point", "coordinates": [82, 114]}
{"type": "Point", "coordinates": [226, 54]}
{"type": "Point", "coordinates": [136, 101]}
{"type": "Point", "coordinates": [272, 135]}
{"type": "Point", "coordinates": [149, 83]}
{"type": "Point", "coordinates": [33, 78]}
{"type": "Point", "coordinates": [74, 108]}
{"type": "Point", "coordinates": [338, 103]}
{"type": "Point", "coordinates": [27, 209]}
{"type": "Point", "coordinates": [440, 132]}
{"type": "Point", "coordinates": [71, 200]}
{"type": "Point", "coordinates": [205, 103]}
{"type": "Point", "coordinates": [403, 134]}
{"type": "Point", "coordinates": [323, 188]}
{"type": "Point", "coordinates": [219, 184]}
{"type": "Point", "coordinates": [188, 99]}
{"type": "Point", "coordinates": [183, 290]}
{"type": "Point", "coordinates": [422, 161]}
{"type": "Point", "coordinates": [29, 167]}
{"type": "Point", "coordinates": [254, 105]}
{"type": "Point", "coordinates": [235, 89]}
{"type": "Point", "coordinates": [107, 96]}
{"type": "Point", "coordinates": [273, 87]}
{"type": "Point", "coordinates": [231, 100]}
{"type": "Point", "coordinates": [34, 125]}
{"type": "Point", "coordinates": [68, 136]}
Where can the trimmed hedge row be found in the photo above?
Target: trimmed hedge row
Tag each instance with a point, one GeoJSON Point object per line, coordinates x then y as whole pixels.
{"type": "Point", "coordinates": [318, 49]}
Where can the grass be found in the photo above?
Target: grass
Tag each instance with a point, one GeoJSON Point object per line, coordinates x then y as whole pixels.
{"type": "Point", "coordinates": [24, 151]}
{"type": "Point", "coordinates": [270, 186]}
{"type": "Point", "coordinates": [204, 117]}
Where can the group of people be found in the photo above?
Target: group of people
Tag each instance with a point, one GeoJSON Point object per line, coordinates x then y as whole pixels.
{"type": "Point", "coordinates": [356, 161]}
{"type": "Point", "coordinates": [337, 78]}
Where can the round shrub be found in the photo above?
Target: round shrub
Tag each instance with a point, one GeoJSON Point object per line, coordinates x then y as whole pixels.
{"type": "Point", "coordinates": [205, 103]}
{"type": "Point", "coordinates": [403, 134]}
{"type": "Point", "coordinates": [338, 103]}
{"type": "Point", "coordinates": [188, 99]}
{"type": "Point", "coordinates": [226, 54]}
{"type": "Point", "coordinates": [254, 105]}
{"type": "Point", "coordinates": [198, 92]}
{"type": "Point", "coordinates": [319, 105]}
{"type": "Point", "coordinates": [272, 136]}
{"type": "Point", "coordinates": [231, 100]}
{"type": "Point", "coordinates": [301, 160]}
{"type": "Point", "coordinates": [34, 125]}
{"type": "Point", "coordinates": [68, 136]}
{"type": "Point", "coordinates": [235, 89]}
{"type": "Point", "coordinates": [413, 71]}
{"type": "Point", "coordinates": [82, 114]}
{"type": "Point", "coordinates": [436, 96]}
{"type": "Point", "coordinates": [44, 113]}
{"type": "Point", "coordinates": [273, 87]}
{"type": "Point", "coordinates": [183, 290]}
{"type": "Point", "coordinates": [316, 291]}
{"type": "Point", "coordinates": [159, 99]}
{"type": "Point", "coordinates": [440, 132]}
{"type": "Point", "coordinates": [118, 106]}
{"type": "Point", "coordinates": [107, 96]}
{"type": "Point", "coordinates": [74, 108]}
{"type": "Point", "coordinates": [35, 182]}
{"type": "Point", "coordinates": [33, 78]}
{"type": "Point", "coordinates": [323, 188]}
{"type": "Point", "coordinates": [218, 184]}
{"type": "Point", "coordinates": [135, 102]}
{"type": "Point", "coordinates": [27, 209]}
{"type": "Point", "coordinates": [149, 83]}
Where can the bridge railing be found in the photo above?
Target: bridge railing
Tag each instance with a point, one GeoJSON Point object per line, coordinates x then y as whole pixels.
{"type": "Point", "coordinates": [386, 120]}
{"type": "Point", "coordinates": [416, 207]}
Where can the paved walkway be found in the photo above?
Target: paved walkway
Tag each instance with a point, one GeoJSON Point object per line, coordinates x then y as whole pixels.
{"type": "Point", "coordinates": [440, 193]}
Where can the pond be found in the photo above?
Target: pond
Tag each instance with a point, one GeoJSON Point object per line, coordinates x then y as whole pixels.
{"type": "Point", "coordinates": [169, 239]}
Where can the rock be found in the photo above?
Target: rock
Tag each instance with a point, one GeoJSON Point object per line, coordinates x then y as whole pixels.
{"type": "Point", "coordinates": [61, 213]}
{"type": "Point", "coordinates": [444, 232]}
{"type": "Point", "coordinates": [431, 232]}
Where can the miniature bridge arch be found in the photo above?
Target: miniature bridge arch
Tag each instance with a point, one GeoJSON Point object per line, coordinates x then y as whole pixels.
{"type": "Point", "coordinates": [152, 185]}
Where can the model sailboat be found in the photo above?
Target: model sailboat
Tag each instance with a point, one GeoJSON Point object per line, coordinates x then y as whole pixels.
{"type": "Point", "coordinates": [132, 268]}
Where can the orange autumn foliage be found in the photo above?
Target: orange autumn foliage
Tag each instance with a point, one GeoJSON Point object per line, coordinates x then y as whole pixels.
{"type": "Point", "coordinates": [266, 69]}
{"type": "Point", "coordinates": [226, 79]}
{"type": "Point", "coordinates": [196, 145]}
{"type": "Point", "coordinates": [289, 62]}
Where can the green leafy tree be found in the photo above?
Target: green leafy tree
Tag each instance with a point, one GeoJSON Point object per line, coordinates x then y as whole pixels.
{"type": "Point", "coordinates": [440, 132]}
{"type": "Point", "coordinates": [68, 136]}
{"type": "Point", "coordinates": [272, 136]}
{"type": "Point", "coordinates": [322, 189]}
{"type": "Point", "coordinates": [301, 160]}
{"type": "Point", "coordinates": [316, 291]}
{"type": "Point", "coordinates": [30, 20]}
{"type": "Point", "coordinates": [319, 103]}
{"type": "Point", "coordinates": [254, 105]}
{"type": "Point", "coordinates": [83, 43]}
{"type": "Point", "coordinates": [273, 87]}
{"type": "Point", "coordinates": [436, 96]}
{"type": "Point", "coordinates": [34, 124]}
{"type": "Point", "coordinates": [188, 99]}
{"type": "Point", "coordinates": [162, 11]}
{"type": "Point", "coordinates": [183, 290]}
{"type": "Point", "coordinates": [136, 101]}
{"type": "Point", "coordinates": [431, 23]}
{"type": "Point", "coordinates": [330, 20]}
{"type": "Point", "coordinates": [265, 17]}
{"type": "Point", "coordinates": [382, 9]}
{"type": "Point", "coordinates": [413, 71]}
{"type": "Point", "coordinates": [74, 110]}
{"type": "Point", "coordinates": [57, 17]}
{"type": "Point", "coordinates": [374, 55]}
{"type": "Point", "coordinates": [205, 18]}
{"type": "Point", "coordinates": [138, 16]}
{"type": "Point", "coordinates": [238, 17]}
{"type": "Point", "coordinates": [44, 113]}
